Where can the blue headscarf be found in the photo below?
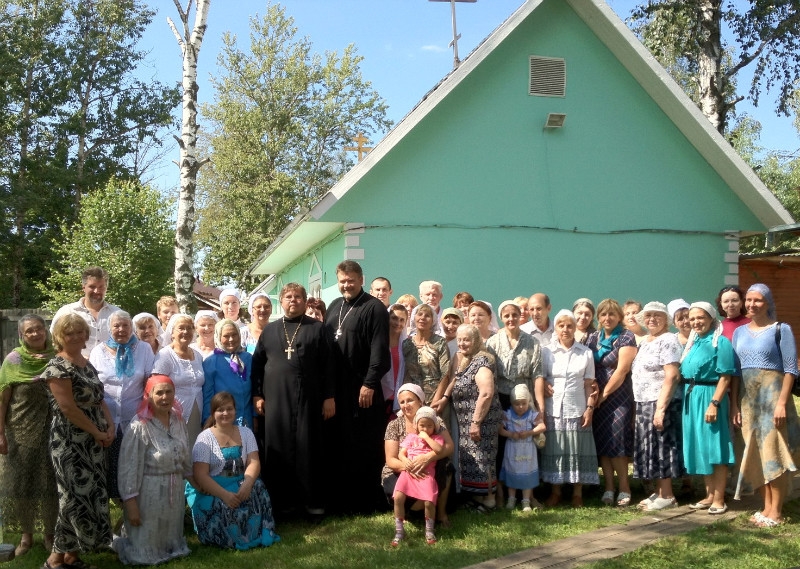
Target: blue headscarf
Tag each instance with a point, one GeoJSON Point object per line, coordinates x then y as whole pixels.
{"type": "Point", "coordinates": [124, 364]}
{"type": "Point", "coordinates": [764, 291]}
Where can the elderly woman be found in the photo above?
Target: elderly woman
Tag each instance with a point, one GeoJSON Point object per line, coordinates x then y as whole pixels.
{"type": "Point", "coordinates": [184, 366]}
{"type": "Point", "coordinates": [730, 303]}
{"type": "Point", "coordinates": [410, 398]}
{"type": "Point", "coordinates": [260, 309]}
{"type": "Point", "coordinates": [477, 410]}
{"type": "Point", "coordinates": [204, 322]}
{"type": "Point", "coordinates": [230, 303]}
{"type": "Point", "coordinates": [80, 432]}
{"type": "Point", "coordinates": [630, 310]}
{"type": "Point", "coordinates": [768, 417]}
{"type": "Point", "coordinates": [123, 363]}
{"type": "Point", "coordinates": [569, 455]}
{"type": "Point", "coordinates": [228, 369]}
{"type": "Point", "coordinates": [518, 359]}
{"type": "Point", "coordinates": [148, 330]}
{"type": "Point", "coordinates": [479, 314]}
{"type": "Point", "coordinates": [27, 483]}
{"type": "Point", "coordinates": [583, 310]}
{"type": "Point", "coordinates": [230, 506]}
{"type": "Point", "coordinates": [427, 359]}
{"type": "Point", "coordinates": [707, 365]}
{"type": "Point", "coordinates": [657, 452]}
{"type": "Point", "coordinates": [678, 310]}
{"type": "Point", "coordinates": [390, 382]}
{"type": "Point", "coordinates": [155, 461]}
{"type": "Point", "coordinates": [613, 348]}
{"type": "Point", "coordinates": [315, 308]}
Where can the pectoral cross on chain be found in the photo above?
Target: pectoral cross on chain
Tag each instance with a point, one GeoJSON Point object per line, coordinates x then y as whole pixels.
{"type": "Point", "coordinates": [289, 351]}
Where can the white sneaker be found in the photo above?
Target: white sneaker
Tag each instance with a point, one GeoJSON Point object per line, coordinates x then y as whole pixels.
{"type": "Point", "coordinates": [662, 504]}
{"type": "Point", "coordinates": [526, 506]}
{"type": "Point", "coordinates": [512, 503]}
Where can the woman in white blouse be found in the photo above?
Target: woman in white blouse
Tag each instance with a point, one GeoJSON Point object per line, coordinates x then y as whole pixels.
{"type": "Point", "coordinates": [569, 455]}
{"type": "Point", "coordinates": [657, 444]}
{"type": "Point", "coordinates": [184, 366]}
{"type": "Point", "coordinates": [123, 364]}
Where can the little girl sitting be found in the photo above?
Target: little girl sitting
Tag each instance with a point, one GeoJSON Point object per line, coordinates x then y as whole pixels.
{"type": "Point", "coordinates": [520, 468]}
{"type": "Point", "coordinates": [422, 487]}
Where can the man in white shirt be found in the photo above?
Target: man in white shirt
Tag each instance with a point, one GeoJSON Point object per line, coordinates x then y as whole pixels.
{"type": "Point", "coordinates": [92, 307]}
{"type": "Point", "coordinates": [381, 289]}
{"type": "Point", "coordinates": [540, 326]}
{"type": "Point", "coordinates": [430, 293]}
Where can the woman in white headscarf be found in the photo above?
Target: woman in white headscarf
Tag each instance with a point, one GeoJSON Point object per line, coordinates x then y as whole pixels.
{"type": "Point", "coordinates": [148, 329]}
{"type": "Point", "coordinates": [204, 322]}
{"type": "Point", "coordinates": [707, 365]}
{"type": "Point", "coordinates": [230, 303]}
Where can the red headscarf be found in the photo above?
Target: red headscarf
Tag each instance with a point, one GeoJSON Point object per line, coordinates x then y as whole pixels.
{"type": "Point", "coordinates": [144, 411]}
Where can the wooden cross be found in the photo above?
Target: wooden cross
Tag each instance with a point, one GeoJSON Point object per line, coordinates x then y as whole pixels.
{"type": "Point", "coordinates": [361, 149]}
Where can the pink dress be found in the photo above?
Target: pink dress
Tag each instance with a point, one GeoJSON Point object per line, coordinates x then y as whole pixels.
{"type": "Point", "coordinates": [424, 488]}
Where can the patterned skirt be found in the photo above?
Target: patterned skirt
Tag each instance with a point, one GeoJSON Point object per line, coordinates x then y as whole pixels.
{"type": "Point", "coordinates": [768, 452]}
{"type": "Point", "coordinates": [612, 424]}
{"type": "Point", "coordinates": [569, 455]}
{"type": "Point", "coordinates": [249, 525]}
{"type": "Point", "coordinates": [658, 454]}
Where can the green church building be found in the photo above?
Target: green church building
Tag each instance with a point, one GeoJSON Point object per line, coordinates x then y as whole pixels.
{"type": "Point", "coordinates": [558, 157]}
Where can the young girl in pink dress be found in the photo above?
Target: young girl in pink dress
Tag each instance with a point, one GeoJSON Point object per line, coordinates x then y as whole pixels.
{"type": "Point", "coordinates": [422, 486]}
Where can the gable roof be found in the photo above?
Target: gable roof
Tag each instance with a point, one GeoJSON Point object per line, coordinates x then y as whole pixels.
{"type": "Point", "coordinates": [634, 57]}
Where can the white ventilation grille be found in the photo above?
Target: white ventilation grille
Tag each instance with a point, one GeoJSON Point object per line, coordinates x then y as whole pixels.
{"type": "Point", "coordinates": [548, 76]}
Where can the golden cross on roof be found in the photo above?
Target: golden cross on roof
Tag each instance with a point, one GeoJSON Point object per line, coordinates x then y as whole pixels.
{"type": "Point", "coordinates": [360, 140]}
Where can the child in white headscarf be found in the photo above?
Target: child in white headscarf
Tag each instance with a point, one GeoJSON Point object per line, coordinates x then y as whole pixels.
{"type": "Point", "coordinates": [424, 488]}
{"type": "Point", "coordinates": [520, 469]}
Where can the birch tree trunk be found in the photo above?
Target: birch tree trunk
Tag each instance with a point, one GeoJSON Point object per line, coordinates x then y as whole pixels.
{"type": "Point", "coordinates": [710, 76]}
{"type": "Point", "coordinates": [189, 42]}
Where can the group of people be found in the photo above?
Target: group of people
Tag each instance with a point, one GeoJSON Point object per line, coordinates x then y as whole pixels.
{"type": "Point", "coordinates": [414, 403]}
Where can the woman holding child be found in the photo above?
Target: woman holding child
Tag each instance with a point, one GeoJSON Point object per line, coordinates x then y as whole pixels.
{"type": "Point", "coordinates": [410, 397]}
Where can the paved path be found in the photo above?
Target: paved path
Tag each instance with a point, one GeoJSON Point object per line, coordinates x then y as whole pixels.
{"type": "Point", "coordinates": [613, 541]}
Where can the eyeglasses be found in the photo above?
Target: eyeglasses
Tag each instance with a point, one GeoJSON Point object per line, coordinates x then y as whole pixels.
{"type": "Point", "coordinates": [657, 316]}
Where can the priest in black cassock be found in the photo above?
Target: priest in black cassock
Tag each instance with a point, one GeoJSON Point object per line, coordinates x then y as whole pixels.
{"type": "Point", "coordinates": [358, 323]}
{"type": "Point", "coordinates": [293, 387]}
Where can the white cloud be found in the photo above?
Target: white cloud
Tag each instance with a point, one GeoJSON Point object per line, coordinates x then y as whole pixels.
{"type": "Point", "coordinates": [434, 48]}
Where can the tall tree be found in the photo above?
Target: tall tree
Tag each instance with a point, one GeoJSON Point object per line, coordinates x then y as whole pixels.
{"type": "Point", "coordinates": [765, 33]}
{"type": "Point", "coordinates": [125, 228]}
{"type": "Point", "coordinates": [190, 41]}
{"type": "Point", "coordinates": [71, 114]}
{"type": "Point", "coordinates": [281, 116]}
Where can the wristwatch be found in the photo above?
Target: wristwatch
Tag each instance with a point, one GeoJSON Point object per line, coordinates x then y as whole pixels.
{"type": "Point", "coordinates": [715, 403]}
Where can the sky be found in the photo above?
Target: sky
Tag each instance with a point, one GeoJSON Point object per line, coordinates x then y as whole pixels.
{"type": "Point", "coordinates": [405, 45]}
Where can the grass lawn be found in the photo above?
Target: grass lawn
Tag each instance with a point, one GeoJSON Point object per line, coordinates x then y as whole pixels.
{"type": "Point", "coordinates": [356, 542]}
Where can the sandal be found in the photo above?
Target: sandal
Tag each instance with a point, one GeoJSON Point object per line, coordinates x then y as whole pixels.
{"type": "Point", "coordinates": [476, 507]}
{"type": "Point", "coordinates": [624, 499]}
{"type": "Point", "coordinates": [608, 497]}
{"type": "Point", "coordinates": [766, 522]}
{"type": "Point", "coordinates": [23, 548]}
{"type": "Point", "coordinates": [700, 506]}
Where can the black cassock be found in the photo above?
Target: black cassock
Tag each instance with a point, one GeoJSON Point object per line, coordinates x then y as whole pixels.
{"type": "Point", "coordinates": [293, 389]}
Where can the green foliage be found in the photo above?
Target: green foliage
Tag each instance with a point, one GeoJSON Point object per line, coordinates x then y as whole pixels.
{"type": "Point", "coordinates": [765, 36]}
{"type": "Point", "coordinates": [72, 116]}
{"type": "Point", "coordinates": [126, 229]}
{"type": "Point", "coordinates": [281, 117]}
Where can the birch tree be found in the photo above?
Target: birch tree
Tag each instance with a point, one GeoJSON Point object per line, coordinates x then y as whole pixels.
{"type": "Point", "coordinates": [189, 41]}
{"type": "Point", "coordinates": [765, 34]}
{"type": "Point", "coordinates": [280, 119]}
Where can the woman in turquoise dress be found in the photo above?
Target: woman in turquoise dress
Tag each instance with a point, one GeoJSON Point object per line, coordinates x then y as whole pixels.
{"type": "Point", "coordinates": [707, 366]}
{"type": "Point", "coordinates": [230, 504]}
